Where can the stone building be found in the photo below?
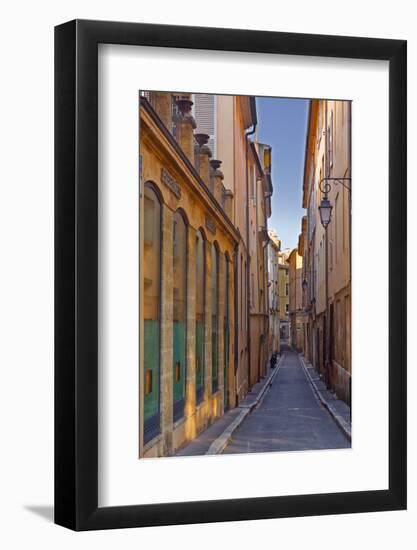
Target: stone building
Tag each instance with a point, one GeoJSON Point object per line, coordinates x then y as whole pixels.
{"type": "Point", "coordinates": [295, 263]}
{"type": "Point", "coordinates": [284, 296]}
{"type": "Point", "coordinates": [260, 191]}
{"type": "Point", "coordinates": [328, 291]}
{"type": "Point", "coordinates": [274, 247]}
{"type": "Point", "coordinates": [304, 329]}
{"type": "Point", "coordinates": [194, 241]}
{"type": "Point", "coordinates": [246, 166]}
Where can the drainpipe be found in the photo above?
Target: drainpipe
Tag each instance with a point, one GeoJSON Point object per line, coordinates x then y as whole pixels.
{"type": "Point", "coordinates": [248, 297]}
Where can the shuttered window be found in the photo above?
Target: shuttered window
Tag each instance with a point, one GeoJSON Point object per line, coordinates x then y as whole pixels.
{"type": "Point", "coordinates": [205, 117]}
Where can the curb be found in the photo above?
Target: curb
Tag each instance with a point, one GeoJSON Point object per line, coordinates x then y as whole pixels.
{"type": "Point", "coordinates": [220, 443]}
{"type": "Point", "coordinates": [341, 422]}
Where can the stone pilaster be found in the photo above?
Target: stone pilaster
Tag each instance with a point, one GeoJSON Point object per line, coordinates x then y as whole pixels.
{"type": "Point", "coordinates": [190, 392]}
{"type": "Point", "coordinates": [216, 177]}
{"type": "Point", "coordinates": [166, 330]}
{"type": "Point", "coordinates": [185, 125]}
{"type": "Point", "coordinates": [221, 333]}
{"type": "Point", "coordinates": [207, 327]}
{"type": "Point", "coordinates": [231, 366]}
{"type": "Point", "coordinates": [202, 157]}
{"type": "Point", "coordinates": [228, 203]}
{"type": "Point", "coordinates": [232, 328]}
{"type": "Point", "coordinates": [162, 103]}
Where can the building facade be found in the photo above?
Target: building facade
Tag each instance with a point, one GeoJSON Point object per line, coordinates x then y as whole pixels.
{"type": "Point", "coordinates": [274, 247]}
{"type": "Point", "coordinates": [284, 296]}
{"type": "Point", "coordinates": [296, 314]}
{"type": "Point", "coordinates": [327, 253]}
{"type": "Point", "coordinates": [260, 191]}
{"type": "Point", "coordinates": [196, 248]}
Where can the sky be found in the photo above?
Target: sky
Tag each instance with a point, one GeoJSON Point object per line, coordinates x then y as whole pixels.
{"type": "Point", "coordinates": [282, 123]}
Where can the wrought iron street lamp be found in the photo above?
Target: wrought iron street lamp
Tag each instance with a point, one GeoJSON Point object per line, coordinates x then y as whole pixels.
{"type": "Point", "coordinates": [326, 206]}
{"type": "Point", "coordinates": [325, 210]}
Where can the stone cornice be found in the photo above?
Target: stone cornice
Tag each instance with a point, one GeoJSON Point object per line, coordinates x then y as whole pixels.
{"type": "Point", "coordinates": [155, 126]}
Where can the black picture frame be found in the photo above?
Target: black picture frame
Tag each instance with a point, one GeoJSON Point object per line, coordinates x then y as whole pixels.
{"type": "Point", "coordinates": [76, 272]}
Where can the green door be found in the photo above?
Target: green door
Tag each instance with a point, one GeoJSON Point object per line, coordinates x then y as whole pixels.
{"type": "Point", "coordinates": [199, 358]}
{"type": "Point", "coordinates": [151, 379]}
{"type": "Point", "coordinates": [179, 314]}
{"type": "Point", "coordinates": [179, 369]}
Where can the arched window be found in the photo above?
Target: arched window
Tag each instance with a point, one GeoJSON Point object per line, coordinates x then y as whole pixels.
{"type": "Point", "coordinates": [226, 330]}
{"type": "Point", "coordinates": [151, 312]}
{"type": "Point", "coordinates": [215, 318]}
{"type": "Point", "coordinates": [200, 256]}
{"type": "Point", "coordinates": [179, 257]}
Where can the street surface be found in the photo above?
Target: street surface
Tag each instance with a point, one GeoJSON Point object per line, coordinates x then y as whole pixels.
{"type": "Point", "coordinates": [290, 417]}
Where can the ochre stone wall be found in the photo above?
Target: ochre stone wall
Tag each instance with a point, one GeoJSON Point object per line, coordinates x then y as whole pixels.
{"type": "Point", "coordinates": [179, 188]}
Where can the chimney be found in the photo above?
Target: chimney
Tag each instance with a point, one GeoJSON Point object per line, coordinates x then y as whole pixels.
{"type": "Point", "coordinates": [162, 103]}
{"type": "Point", "coordinates": [216, 178]}
{"type": "Point", "coordinates": [184, 125]}
{"type": "Point", "coordinates": [202, 157]}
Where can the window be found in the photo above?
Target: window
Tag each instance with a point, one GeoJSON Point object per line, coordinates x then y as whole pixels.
{"type": "Point", "coordinates": [287, 286]}
{"type": "Point", "coordinates": [336, 230]}
{"type": "Point", "coordinates": [215, 318]}
{"type": "Point", "coordinates": [252, 300]}
{"type": "Point", "coordinates": [205, 113]}
{"type": "Point", "coordinates": [322, 171]}
{"type": "Point", "coordinates": [253, 184]}
{"type": "Point", "coordinates": [149, 229]}
{"type": "Point", "coordinates": [241, 292]}
{"type": "Point", "coordinates": [330, 131]}
{"type": "Point", "coordinates": [179, 259]}
{"type": "Point", "coordinates": [151, 312]}
{"type": "Point", "coordinates": [199, 314]}
{"type": "Point", "coordinates": [287, 308]}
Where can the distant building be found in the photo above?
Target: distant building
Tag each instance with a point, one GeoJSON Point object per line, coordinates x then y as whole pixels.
{"type": "Point", "coordinates": [274, 246]}
{"type": "Point", "coordinates": [295, 263]}
{"type": "Point", "coordinates": [284, 296]}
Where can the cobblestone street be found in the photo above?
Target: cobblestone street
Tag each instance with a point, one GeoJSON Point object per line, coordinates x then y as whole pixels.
{"type": "Point", "coordinates": [290, 417]}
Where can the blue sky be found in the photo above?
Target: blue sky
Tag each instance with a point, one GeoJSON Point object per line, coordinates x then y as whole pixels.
{"type": "Point", "coordinates": [282, 123]}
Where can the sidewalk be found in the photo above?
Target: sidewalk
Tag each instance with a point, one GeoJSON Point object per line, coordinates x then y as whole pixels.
{"type": "Point", "coordinates": [214, 439]}
{"type": "Point", "coordinates": [337, 408]}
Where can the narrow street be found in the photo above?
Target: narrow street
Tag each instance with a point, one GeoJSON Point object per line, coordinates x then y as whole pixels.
{"type": "Point", "coordinates": [237, 272]}
{"type": "Point", "coordinates": [290, 418]}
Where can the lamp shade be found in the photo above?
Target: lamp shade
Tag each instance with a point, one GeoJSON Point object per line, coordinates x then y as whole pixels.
{"type": "Point", "coordinates": [325, 209]}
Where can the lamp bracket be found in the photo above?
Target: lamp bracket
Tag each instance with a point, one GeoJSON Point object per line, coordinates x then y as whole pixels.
{"type": "Point", "coordinates": [325, 187]}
